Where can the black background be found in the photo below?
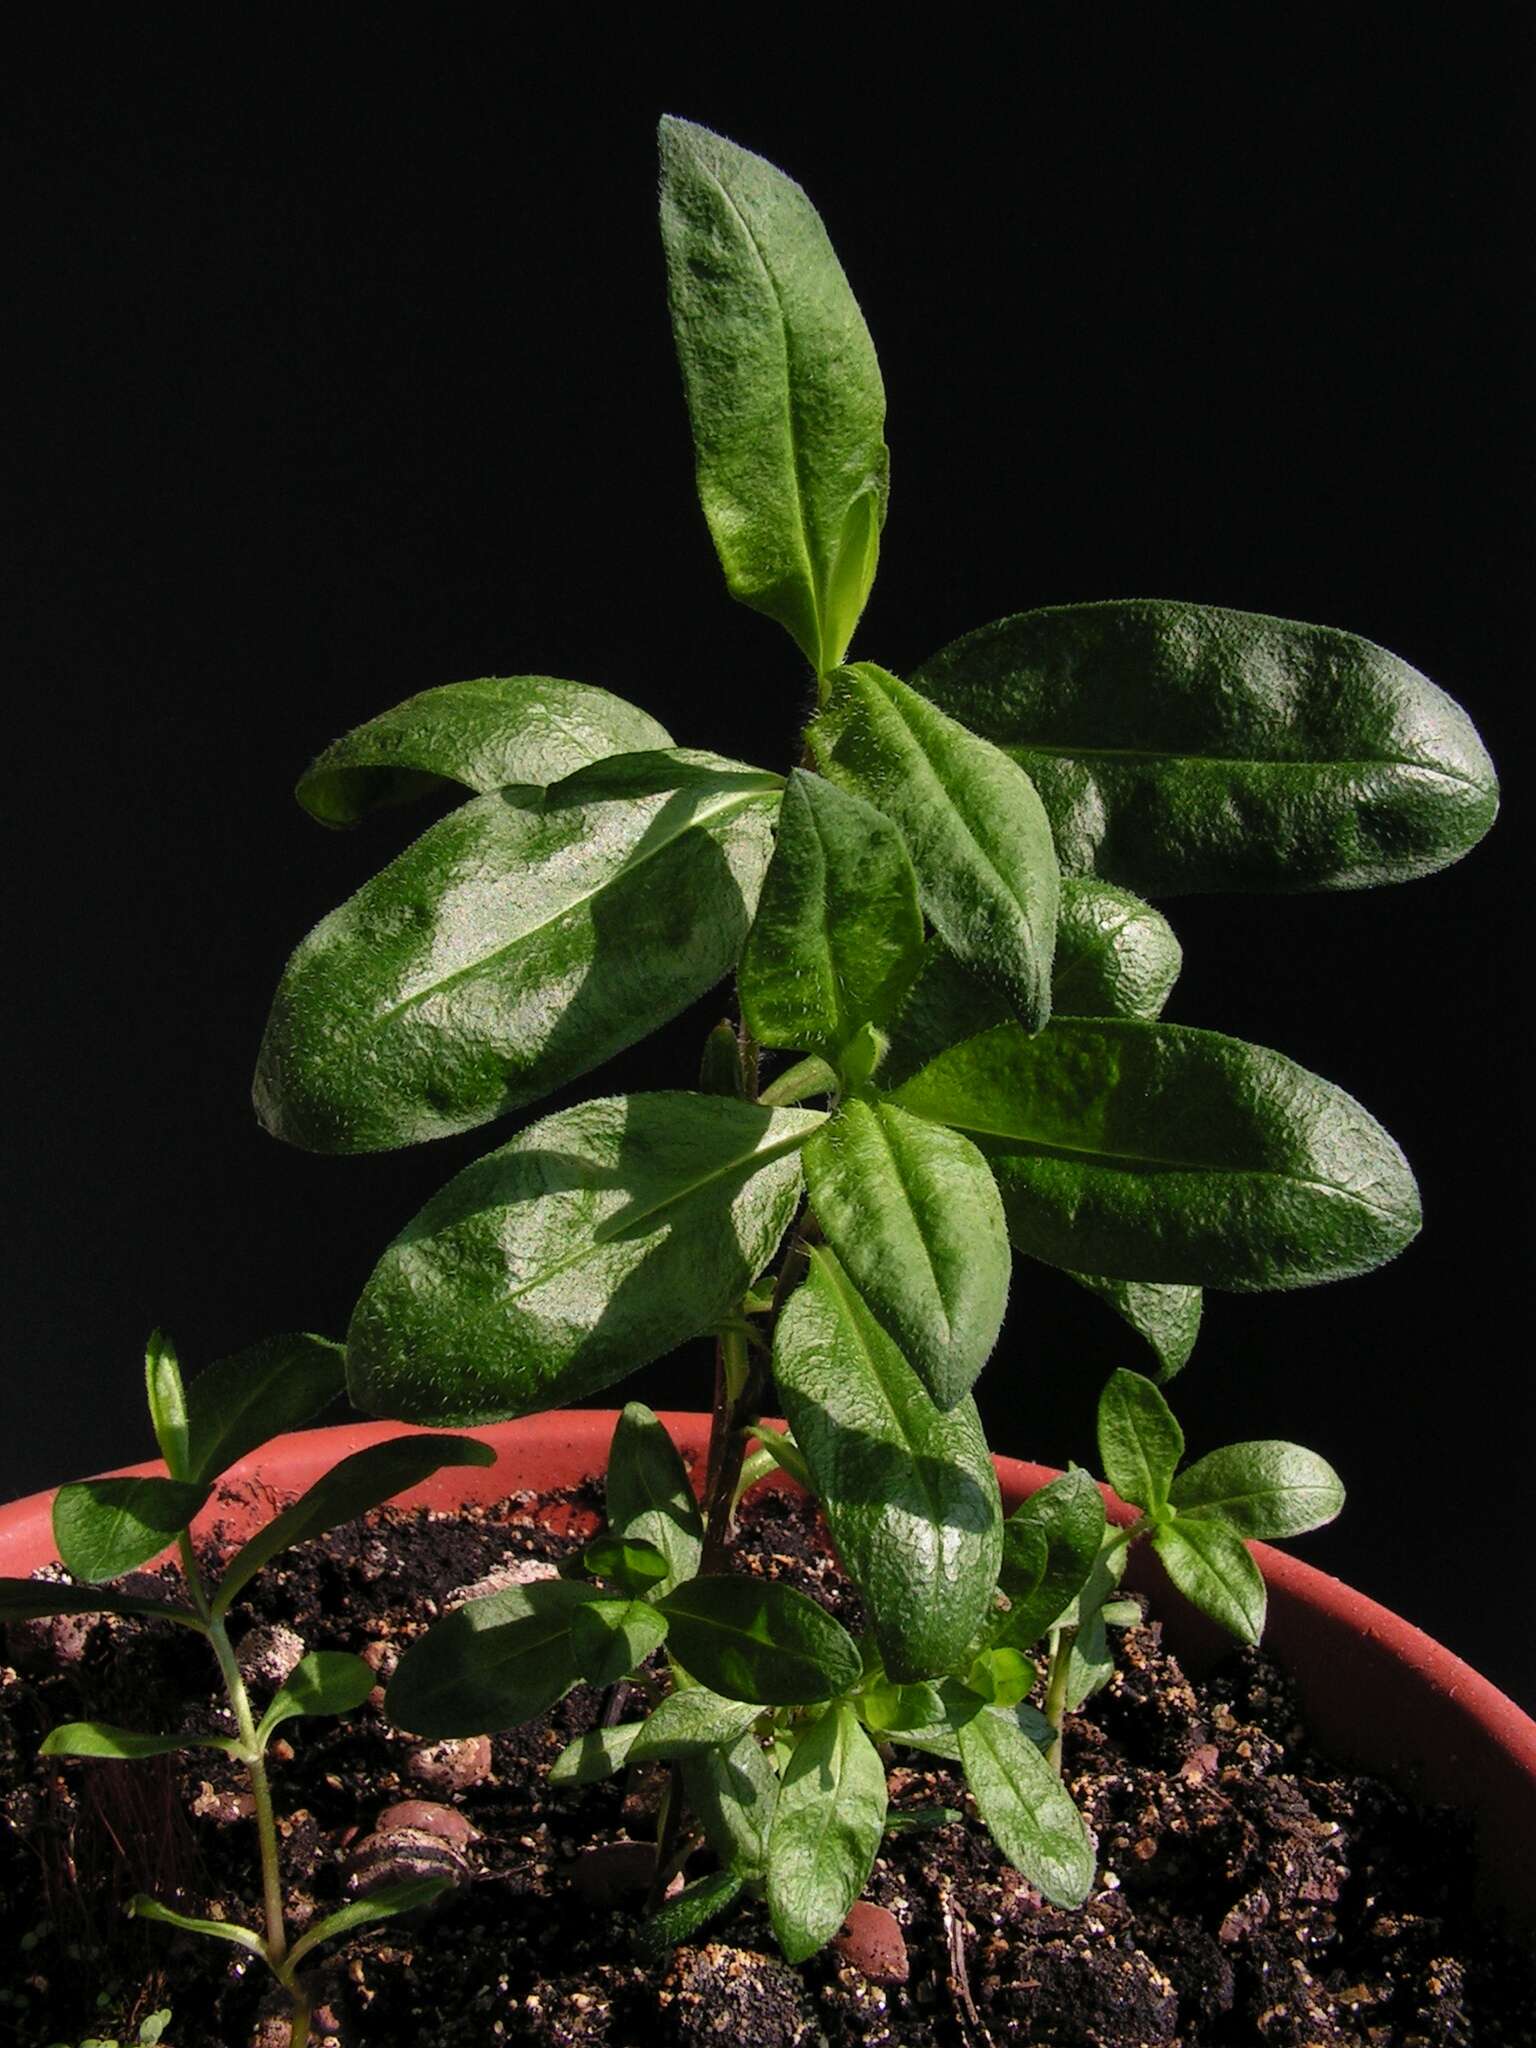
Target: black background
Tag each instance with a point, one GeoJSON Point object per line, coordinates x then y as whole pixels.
{"type": "Point", "coordinates": [347, 371]}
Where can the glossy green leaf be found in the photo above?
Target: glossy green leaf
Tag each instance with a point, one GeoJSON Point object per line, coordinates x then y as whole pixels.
{"type": "Point", "coordinates": [1158, 1152]}
{"type": "Point", "coordinates": [324, 1682]}
{"type": "Point", "coordinates": [757, 1639]}
{"type": "Point", "coordinates": [1001, 1676]}
{"type": "Point", "coordinates": [594, 1242]}
{"type": "Point", "coordinates": [241, 1403]}
{"type": "Point", "coordinates": [167, 1403]}
{"type": "Point", "coordinates": [681, 1918]}
{"type": "Point", "coordinates": [909, 1491]}
{"type": "Point", "coordinates": [1050, 1543]}
{"type": "Point", "coordinates": [484, 735]}
{"type": "Point", "coordinates": [637, 1567]}
{"type": "Point", "coordinates": [1165, 1317]}
{"type": "Point", "coordinates": [689, 1721]}
{"type": "Point", "coordinates": [1115, 955]}
{"type": "Point", "coordinates": [649, 1497]}
{"type": "Point", "coordinates": [1027, 1810]}
{"type": "Point", "coordinates": [1140, 1441]}
{"type": "Point", "coordinates": [611, 1638]}
{"type": "Point", "coordinates": [1210, 1565]}
{"type": "Point", "coordinates": [519, 942]}
{"type": "Point", "coordinates": [102, 1739]}
{"type": "Point", "coordinates": [387, 1903]}
{"type": "Point", "coordinates": [1260, 1489]}
{"type": "Point", "coordinates": [492, 1663]}
{"type": "Point", "coordinates": [32, 1599]}
{"type": "Point", "coordinates": [733, 1793]}
{"type": "Point", "coordinates": [1180, 748]}
{"type": "Point", "coordinates": [889, 1708]}
{"type": "Point", "coordinates": [594, 1756]}
{"type": "Point", "coordinates": [914, 1215]}
{"type": "Point", "coordinates": [145, 1908]}
{"type": "Point", "coordinates": [838, 931]}
{"type": "Point", "coordinates": [352, 1486]}
{"type": "Point", "coordinates": [105, 1527]}
{"type": "Point", "coordinates": [826, 1831]}
{"type": "Point", "coordinates": [783, 389]}
{"type": "Point", "coordinates": [972, 823]}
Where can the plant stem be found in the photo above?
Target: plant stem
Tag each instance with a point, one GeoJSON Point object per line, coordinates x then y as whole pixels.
{"type": "Point", "coordinates": [1056, 1692]}
{"type": "Point", "coordinates": [727, 1445]}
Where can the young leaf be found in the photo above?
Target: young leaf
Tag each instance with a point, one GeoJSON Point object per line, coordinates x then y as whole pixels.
{"type": "Point", "coordinates": [594, 1242]}
{"type": "Point", "coordinates": [687, 1722]}
{"type": "Point", "coordinates": [734, 1792]}
{"type": "Point", "coordinates": [636, 1567]}
{"type": "Point", "coordinates": [1140, 1442]}
{"type": "Point", "coordinates": [352, 1486]}
{"type": "Point", "coordinates": [648, 1495]}
{"type": "Point", "coordinates": [783, 389]}
{"type": "Point", "coordinates": [1091, 1664]}
{"type": "Point", "coordinates": [1260, 1489]}
{"type": "Point", "coordinates": [1001, 1676]}
{"type": "Point", "coordinates": [611, 1638]}
{"type": "Point", "coordinates": [594, 1756]}
{"type": "Point", "coordinates": [1115, 955]}
{"type": "Point", "coordinates": [519, 942]}
{"type": "Point", "coordinates": [1050, 1544]}
{"type": "Point", "coordinates": [102, 1739]}
{"type": "Point", "coordinates": [680, 1918]}
{"type": "Point", "coordinates": [759, 1640]}
{"type": "Point", "coordinates": [1158, 1152]}
{"type": "Point", "coordinates": [167, 1403]}
{"type": "Point", "coordinates": [1210, 1565]}
{"type": "Point", "coordinates": [1164, 1316]}
{"type": "Point", "coordinates": [105, 1527]}
{"type": "Point", "coordinates": [826, 1831]}
{"type": "Point", "coordinates": [492, 1663]}
{"type": "Point", "coordinates": [142, 1907]}
{"type": "Point", "coordinates": [324, 1682]}
{"type": "Point", "coordinates": [1027, 1810]}
{"type": "Point", "coordinates": [720, 1069]}
{"type": "Point", "coordinates": [388, 1903]}
{"type": "Point", "coordinates": [241, 1403]}
{"type": "Point", "coordinates": [484, 734]}
{"type": "Point", "coordinates": [32, 1599]}
{"type": "Point", "coordinates": [1182, 748]}
{"type": "Point", "coordinates": [838, 931]}
{"type": "Point", "coordinates": [914, 1215]}
{"type": "Point", "coordinates": [909, 1491]}
{"type": "Point", "coordinates": [971, 820]}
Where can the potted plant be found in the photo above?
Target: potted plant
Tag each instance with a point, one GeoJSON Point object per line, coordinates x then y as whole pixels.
{"type": "Point", "coordinates": [947, 1050]}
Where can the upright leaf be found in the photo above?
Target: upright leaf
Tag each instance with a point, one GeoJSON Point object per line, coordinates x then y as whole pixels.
{"type": "Point", "coordinates": [909, 1492]}
{"type": "Point", "coordinates": [1050, 1544]}
{"type": "Point", "coordinates": [760, 1640]}
{"type": "Point", "coordinates": [1210, 1564]}
{"type": "Point", "coordinates": [693, 1907]}
{"type": "Point", "coordinates": [1180, 748]}
{"type": "Point", "coordinates": [242, 1402]}
{"type": "Point", "coordinates": [913, 1213]}
{"type": "Point", "coordinates": [1260, 1489]}
{"type": "Point", "coordinates": [167, 1403]}
{"type": "Point", "coordinates": [972, 823]}
{"type": "Point", "coordinates": [1140, 1442]}
{"type": "Point", "coordinates": [826, 1831]}
{"type": "Point", "coordinates": [649, 1497]}
{"type": "Point", "coordinates": [1115, 955]}
{"type": "Point", "coordinates": [591, 1244]}
{"type": "Point", "coordinates": [1158, 1152]}
{"type": "Point", "coordinates": [838, 931]}
{"type": "Point", "coordinates": [324, 1682]}
{"type": "Point", "coordinates": [484, 735]}
{"type": "Point", "coordinates": [1027, 1810]}
{"type": "Point", "coordinates": [734, 1792]}
{"type": "Point", "coordinates": [519, 942]}
{"type": "Point", "coordinates": [783, 389]}
{"type": "Point", "coordinates": [105, 1527]}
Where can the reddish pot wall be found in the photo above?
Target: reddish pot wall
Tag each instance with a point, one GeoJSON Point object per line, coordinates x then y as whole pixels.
{"type": "Point", "coordinates": [1376, 1691]}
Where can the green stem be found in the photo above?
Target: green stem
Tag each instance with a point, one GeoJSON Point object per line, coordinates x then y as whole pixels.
{"type": "Point", "coordinates": [727, 1445]}
{"type": "Point", "coordinates": [1060, 1652]}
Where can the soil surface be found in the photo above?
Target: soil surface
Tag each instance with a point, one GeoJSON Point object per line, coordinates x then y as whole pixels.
{"type": "Point", "coordinates": [1248, 1892]}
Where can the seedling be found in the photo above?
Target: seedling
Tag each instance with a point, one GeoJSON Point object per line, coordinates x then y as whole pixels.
{"type": "Point", "coordinates": [107, 1527]}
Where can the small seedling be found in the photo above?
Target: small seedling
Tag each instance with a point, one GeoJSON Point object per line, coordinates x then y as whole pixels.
{"type": "Point", "coordinates": [107, 1527]}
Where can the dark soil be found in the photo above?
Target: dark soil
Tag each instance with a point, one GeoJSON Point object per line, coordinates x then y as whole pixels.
{"type": "Point", "coordinates": [1248, 1891]}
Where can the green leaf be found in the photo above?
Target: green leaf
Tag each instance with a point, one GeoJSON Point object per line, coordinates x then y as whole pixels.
{"type": "Point", "coordinates": [492, 1663]}
{"type": "Point", "coordinates": [388, 1903]}
{"type": "Point", "coordinates": [914, 1215]}
{"type": "Point", "coordinates": [637, 1567]}
{"type": "Point", "coordinates": [240, 1403]}
{"type": "Point", "coordinates": [324, 1682]}
{"type": "Point", "coordinates": [1158, 1152]}
{"type": "Point", "coordinates": [733, 1793]}
{"type": "Point", "coordinates": [167, 1403]}
{"type": "Point", "coordinates": [826, 1831]}
{"type": "Point", "coordinates": [759, 1640]}
{"type": "Point", "coordinates": [648, 1495]}
{"type": "Point", "coordinates": [519, 942]}
{"type": "Point", "coordinates": [918, 1820]}
{"type": "Point", "coordinates": [838, 931]}
{"type": "Point", "coordinates": [783, 389]}
{"type": "Point", "coordinates": [1091, 1663]}
{"type": "Point", "coordinates": [1027, 1810]}
{"type": "Point", "coordinates": [102, 1739]}
{"type": "Point", "coordinates": [1182, 748]}
{"type": "Point", "coordinates": [1210, 1565]}
{"type": "Point", "coordinates": [687, 1722]}
{"type": "Point", "coordinates": [1260, 1489]}
{"type": "Point", "coordinates": [611, 1638]}
{"type": "Point", "coordinates": [142, 1907]}
{"type": "Point", "coordinates": [32, 1599]}
{"type": "Point", "coordinates": [1165, 1317]}
{"type": "Point", "coordinates": [1050, 1543]}
{"type": "Point", "coordinates": [105, 1527]}
{"type": "Point", "coordinates": [971, 820]}
{"type": "Point", "coordinates": [595, 1755]}
{"type": "Point", "coordinates": [598, 1240]}
{"type": "Point", "coordinates": [352, 1486]}
{"type": "Point", "coordinates": [681, 1918]}
{"type": "Point", "coordinates": [1140, 1443]}
{"type": "Point", "coordinates": [1115, 955]}
{"type": "Point", "coordinates": [1001, 1676]}
{"type": "Point", "coordinates": [482, 734]}
{"type": "Point", "coordinates": [720, 1069]}
{"type": "Point", "coordinates": [909, 1492]}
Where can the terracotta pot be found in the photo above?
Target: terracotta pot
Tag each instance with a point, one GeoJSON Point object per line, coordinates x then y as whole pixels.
{"type": "Point", "coordinates": [1376, 1691]}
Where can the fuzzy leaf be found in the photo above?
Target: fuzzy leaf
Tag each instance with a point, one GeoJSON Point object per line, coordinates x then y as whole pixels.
{"type": "Point", "coordinates": [594, 1756]}
{"type": "Point", "coordinates": [1210, 1565]}
{"type": "Point", "coordinates": [611, 1638]}
{"type": "Point", "coordinates": [142, 1907]}
{"type": "Point", "coordinates": [102, 1739]}
{"type": "Point", "coordinates": [637, 1568]}
{"type": "Point", "coordinates": [1260, 1489]}
{"type": "Point", "coordinates": [680, 1918]}
{"type": "Point", "coordinates": [648, 1495]}
{"type": "Point", "coordinates": [734, 1792]}
{"type": "Point", "coordinates": [387, 1903]}
{"type": "Point", "coordinates": [241, 1403]}
{"type": "Point", "coordinates": [689, 1721]}
{"type": "Point", "coordinates": [324, 1682]}
{"type": "Point", "coordinates": [167, 1403]}
{"type": "Point", "coordinates": [1027, 1810]}
{"type": "Point", "coordinates": [1050, 1544]}
{"type": "Point", "coordinates": [826, 1831]}
{"type": "Point", "coordinates": [1140, 1442]}
{"type": "Point", "coordinates": [105, 1527]}
{"type": "Point", "coordinates": [492, 1663]}
{"type": "Point", "coordinates": [1165, 1317]}
{"type": "Point", "coordinates": [759, 1640]}
{"type": "Point", "coordinates": [1115, 955]}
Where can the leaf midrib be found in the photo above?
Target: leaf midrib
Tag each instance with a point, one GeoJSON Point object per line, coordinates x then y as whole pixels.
{"type": "Point", "coordinates": [1164, 756]}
